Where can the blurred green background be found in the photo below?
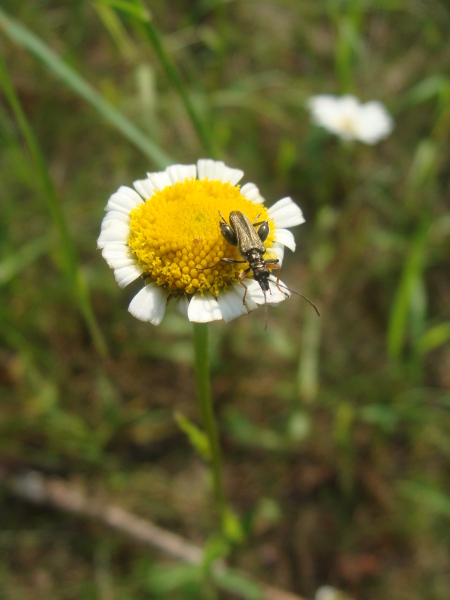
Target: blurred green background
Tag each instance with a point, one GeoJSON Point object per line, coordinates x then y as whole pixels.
{"type": "Point", "coordinates": [335, 430]}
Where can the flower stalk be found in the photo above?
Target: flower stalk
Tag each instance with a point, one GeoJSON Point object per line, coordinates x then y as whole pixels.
{"type": "Point", "coordinates": [201, 350]}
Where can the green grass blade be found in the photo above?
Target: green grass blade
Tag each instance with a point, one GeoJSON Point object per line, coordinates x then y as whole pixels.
{"type": "Point", "coordinates": [18, 33]}
{"type": "Point", "coordinates": [410, 282]}
{"type": "Point", "coordinates": [431, 498]}
{"type": "Point", "coordinates": [71, 264]}
{"type": "Point", "coordinates": [134, 9]}
{"type": "Point", "coordinates": [144, 18]}
{"type": "Point", "coordinates": [434, 338]}
{"type": "Point", "coordinates": [174, 78]}
{"type": "Point", "coordinates": [116, 30]}
{"type": "Point", "coordinates": [13, 264]}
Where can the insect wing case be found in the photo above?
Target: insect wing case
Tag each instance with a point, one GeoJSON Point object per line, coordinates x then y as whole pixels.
{"type": "Point", "coordinates": [247, 236]}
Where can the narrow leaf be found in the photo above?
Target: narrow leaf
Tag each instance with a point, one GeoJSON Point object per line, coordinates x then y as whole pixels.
{"type": "Point", "coordinates": [25, 38]}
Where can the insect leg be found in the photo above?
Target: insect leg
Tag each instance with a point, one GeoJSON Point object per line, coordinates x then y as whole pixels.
{"type": "Point", "coordinates": [222, 217]}
{"type": "Point", "coordinates": [225, 260]}
{"type": "Point", "coordinates": [242, 276]}
{"type": "Point", "coordinates": [209, 267]}
{"type": "Point", "coordinates": [271, 264]}
{"type": "Point", "coordinates": [232, 261]}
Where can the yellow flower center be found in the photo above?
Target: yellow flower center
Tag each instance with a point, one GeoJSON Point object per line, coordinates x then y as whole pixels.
{"type": "Point", "coordinates": [176, 233]}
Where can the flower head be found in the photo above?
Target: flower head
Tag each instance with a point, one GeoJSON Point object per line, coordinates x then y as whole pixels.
{"type": "Point", "coordinates": [349, 119]}
{"type": "Point", "coordinates": [168, 232]}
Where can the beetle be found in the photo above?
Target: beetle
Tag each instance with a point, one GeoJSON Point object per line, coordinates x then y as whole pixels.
{"type": "Point", "coordinates": [250, 244]}
{"type": "Point", "coordinates": [242, 233]}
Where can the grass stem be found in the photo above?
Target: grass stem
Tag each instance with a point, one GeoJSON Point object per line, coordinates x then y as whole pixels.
{"type": "Point", "coordinates": [172, 74]}
{"type": "Point", "coordinates": [71, 264]}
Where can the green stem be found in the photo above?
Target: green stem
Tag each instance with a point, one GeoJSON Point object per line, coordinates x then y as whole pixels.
{"type": "Point", "coordinates": [201, 348]}
{"type": "Point", "coordinates": [71, 264]}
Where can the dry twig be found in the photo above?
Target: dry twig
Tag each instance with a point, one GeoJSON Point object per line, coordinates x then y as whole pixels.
{"type": "Point", "coordinates": [36, 488]}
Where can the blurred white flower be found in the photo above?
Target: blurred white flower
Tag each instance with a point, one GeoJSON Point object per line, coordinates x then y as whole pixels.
{"type": "Point", "coordinates": [327, 592]}
{"type": "Point", "coordinates": [349, 119]}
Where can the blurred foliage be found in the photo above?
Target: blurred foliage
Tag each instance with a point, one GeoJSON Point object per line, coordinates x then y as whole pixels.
{"type": "Point", "coordinates": [335, 432]}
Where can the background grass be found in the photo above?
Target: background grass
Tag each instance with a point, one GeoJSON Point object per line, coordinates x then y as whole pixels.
{"type": "Point", "coordinates": [335, 431]}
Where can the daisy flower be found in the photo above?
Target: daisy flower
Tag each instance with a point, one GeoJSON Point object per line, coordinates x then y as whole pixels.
{"type": "Point", "coordinates": [351, 120]}
{"type": "Point", "coordinates": [168, 233]}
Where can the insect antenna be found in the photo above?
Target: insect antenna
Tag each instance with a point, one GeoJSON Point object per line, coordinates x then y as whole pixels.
{"type": "Point", "coordinates": [266, 317]}
{"type": "Point", "coordinates": [298, 294]}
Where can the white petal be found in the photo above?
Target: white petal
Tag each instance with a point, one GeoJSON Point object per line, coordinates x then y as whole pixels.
{"type": "Point", "coordinates": [114, 231]}
{"type": "Point", "coordinates": [216, 170]}
{"type": "Point", "coordinates": [338, 115]}
{"type": "Point", "coordinates": [251, 192]}
{"type": "Point", "coordinates": [119, 263]}
{"type": "Point", "coordinates": [348, 104]}
{"type": "Point", "coordinates": [208, 168]}
{"type": "Point", "coordinates": [149, 305]}
{"type": "Point", "coordinates": [179, 173]}
{"type": "Point", "coordinates": [375, 123]}
{"type": "Point", "coordinates": [254, 292]}
{"type": "Point", "coordinates": [115, 215]}
{"type": "Point", "coordinates": [119, 256]}
{"type": "Point", "coordinates": [126, 274]}
{"type": "Point", "coordinates": [274, 296]}
{"type": "Point", "coordinates": [240, 291]}
{"type": "Point", "coordinates": [124, 200]}
{"type": "Point", "coordinates": [203, 310]}
{"type": "Point", "coordinates": [231, 305]}
{"type": "Point", "coordinates": [285, 213]}
{"type": "Point", "coordinates": [277, 251]}
{"type": "Point", "coordinates": [285, 237]}
{"type": "Point", "coordinates": [145, 188]}
{"type": "Point", "coordinates": [232, 176]}
{"type": "Point", "coordinates": [278, 294]}
{"type": "Point", "coordinates": [111, 246]}
{"type": "Point", "coordinates": [183, 305]}
{"type": "Point", "coordinates": [112, 252]}
{"type": "Point", "coordinates": [159, 181]}
{"type": "Point", "coordinates": [324, 109]}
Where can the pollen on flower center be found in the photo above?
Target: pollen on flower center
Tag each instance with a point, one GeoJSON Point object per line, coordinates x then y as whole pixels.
{"type": "Point", "coordinates": [176, 233]}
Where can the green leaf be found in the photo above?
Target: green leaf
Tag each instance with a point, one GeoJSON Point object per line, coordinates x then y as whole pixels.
{"type": "Point", "coordinates": [215, 548]}
{"type": "Point", "coordinates": [162, 579]}
{"type": "Point", "coordinates": [238, 584]}
{"type": "Point", "coordinates": [196, 436]}
{"type": "Point", "coordinates": [433, 338]}
{"type": "Point", "coordinates": [134, 9]}
{"type": "Point", "coordinates": [231, 526]}
{"type": "Point", "coordinates": [433, 498]}
{"type": "Point", "coordinates": [426, 89]}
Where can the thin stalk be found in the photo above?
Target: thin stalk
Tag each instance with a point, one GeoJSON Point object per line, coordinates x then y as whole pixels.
{"type": "Point", "coordinates": [348, 22]}
{"type": "Point", "coordinates": [174, 78]}
{"type": "Point", "coordinates": [201, 348]}
{"type": "Point", "coordinates": [71, 264]}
